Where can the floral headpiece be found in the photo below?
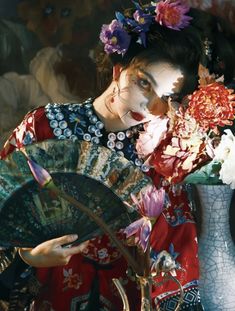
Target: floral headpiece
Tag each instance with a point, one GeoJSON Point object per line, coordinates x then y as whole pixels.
{"type": "Point", "coordinates": [116, 36]}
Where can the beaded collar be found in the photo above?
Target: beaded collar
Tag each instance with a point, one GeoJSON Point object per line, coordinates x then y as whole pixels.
{"type": "Point", "coordinates": [79, 121]}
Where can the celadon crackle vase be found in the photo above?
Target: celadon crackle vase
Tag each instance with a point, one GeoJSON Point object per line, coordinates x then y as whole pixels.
{"type": "Point", "coordinates": [216, 249]}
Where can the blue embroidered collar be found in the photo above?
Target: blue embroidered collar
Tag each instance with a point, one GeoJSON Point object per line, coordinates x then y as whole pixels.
{"type": "Point", "coordinates": [79, 121]}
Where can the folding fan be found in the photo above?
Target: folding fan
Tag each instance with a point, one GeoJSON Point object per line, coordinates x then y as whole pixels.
{"type": "Point", "coordinates": [95, 176]}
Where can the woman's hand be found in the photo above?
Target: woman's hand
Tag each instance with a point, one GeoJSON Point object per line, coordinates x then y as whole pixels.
{"type": "Point", "coordinates": [51, 253]}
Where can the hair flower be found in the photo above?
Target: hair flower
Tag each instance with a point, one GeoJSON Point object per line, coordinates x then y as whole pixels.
{"type": "Point", "coordinates": [143, 22]}
{"type": "Point", "coordinates": [171, 14]}
{"type": "Point", "coordinates": [117, 35]}
{"type": "Point", "coordinates": [115, 38]}
{"type": "Point", "coordinates": [138, 24]}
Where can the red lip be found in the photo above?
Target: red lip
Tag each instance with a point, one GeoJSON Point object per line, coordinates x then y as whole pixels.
{"type": "Point", "coordinates": [136, 116]}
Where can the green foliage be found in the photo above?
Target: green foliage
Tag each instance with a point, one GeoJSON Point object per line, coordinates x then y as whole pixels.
{"type": "Point", "coordinates": [208, 174]}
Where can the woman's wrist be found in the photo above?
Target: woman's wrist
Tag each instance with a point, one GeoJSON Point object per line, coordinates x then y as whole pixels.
{"type": "Point", "coordinates": [24, 254]}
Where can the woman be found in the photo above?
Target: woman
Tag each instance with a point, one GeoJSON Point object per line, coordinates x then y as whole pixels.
{"type": "Point", "coordinates": [152, 57]}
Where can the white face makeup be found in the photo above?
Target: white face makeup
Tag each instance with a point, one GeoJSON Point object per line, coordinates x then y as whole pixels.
{"type": "Point", "coordinates": [140, 90]}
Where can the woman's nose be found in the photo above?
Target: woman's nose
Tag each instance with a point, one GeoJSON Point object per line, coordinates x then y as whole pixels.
{"type": "Point", "coordinates": [157, 106]}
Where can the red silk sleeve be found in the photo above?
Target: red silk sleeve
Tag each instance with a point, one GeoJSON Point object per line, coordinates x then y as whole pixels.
{"type": "Point", "coordinates": [33, 128]}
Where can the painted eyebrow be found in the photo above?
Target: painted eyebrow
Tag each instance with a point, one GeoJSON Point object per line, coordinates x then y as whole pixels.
{"type": "Point", "coordinates": [149, 76]}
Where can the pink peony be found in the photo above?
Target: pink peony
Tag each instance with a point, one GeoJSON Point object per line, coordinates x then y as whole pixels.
{"type": "Point", "coordinates": [154, 132]}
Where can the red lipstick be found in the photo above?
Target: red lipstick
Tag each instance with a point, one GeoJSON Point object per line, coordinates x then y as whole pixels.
{"type": "Point", "coordinates": [136, 116]}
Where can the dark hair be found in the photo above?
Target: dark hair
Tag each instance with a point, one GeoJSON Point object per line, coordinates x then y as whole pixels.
{"type": "Point", "coordinates": [184, 49]}
{"type": "Point", "coordinates": [221, 37]}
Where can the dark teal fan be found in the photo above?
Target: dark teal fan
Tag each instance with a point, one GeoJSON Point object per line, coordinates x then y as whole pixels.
{"type": "Point", "coordinates": [97, 177]}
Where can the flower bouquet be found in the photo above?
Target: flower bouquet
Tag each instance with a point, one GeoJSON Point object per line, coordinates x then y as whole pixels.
{"type": "Point", "coordinates": [194, 143]}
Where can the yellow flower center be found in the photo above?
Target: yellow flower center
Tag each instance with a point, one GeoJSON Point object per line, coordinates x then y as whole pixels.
{"type": "Point", "coordinates": [114, 40]}
{"type": "Point", "coordinates": [142, 20]}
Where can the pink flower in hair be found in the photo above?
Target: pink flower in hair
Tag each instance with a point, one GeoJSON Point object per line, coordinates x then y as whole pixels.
{"type": "Point", "coordinates": [171, 14]}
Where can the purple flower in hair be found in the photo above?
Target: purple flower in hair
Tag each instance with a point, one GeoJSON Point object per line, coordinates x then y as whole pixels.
{"type": "Point", "coordinates": [115, 38]}
{"type": "Point", "coordinates": [139, 24]}
{"type": "Point", "coordinates": [150, 207]}
{"type": "Point", "coordinates": [171, 14]}
{"type": "Point", "coordinates": [143, 22]}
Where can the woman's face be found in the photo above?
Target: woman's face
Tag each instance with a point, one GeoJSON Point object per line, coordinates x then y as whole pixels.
{"type": "Point", "coordinates": [140, 91]}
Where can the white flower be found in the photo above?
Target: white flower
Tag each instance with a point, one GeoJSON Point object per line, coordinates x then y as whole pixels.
{"type": "Point", "coordinates": [225, 147]}
{"type": "Point", "coordinates": [225, 154]}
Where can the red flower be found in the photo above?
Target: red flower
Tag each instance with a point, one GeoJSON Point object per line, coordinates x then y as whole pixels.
{"type": "Point", "coordinates": [212, 105]}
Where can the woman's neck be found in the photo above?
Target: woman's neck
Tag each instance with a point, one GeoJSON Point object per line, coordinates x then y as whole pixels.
{"type": "Point", "coordinates": [105, 111]}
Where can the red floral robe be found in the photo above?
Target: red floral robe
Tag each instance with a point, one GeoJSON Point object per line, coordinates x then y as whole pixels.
{"type": "Point", "coordinates": [88, 277]}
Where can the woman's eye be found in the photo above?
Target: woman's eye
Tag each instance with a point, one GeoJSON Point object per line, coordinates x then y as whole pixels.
{"type": "Point", "coordinates": [144, 84]}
